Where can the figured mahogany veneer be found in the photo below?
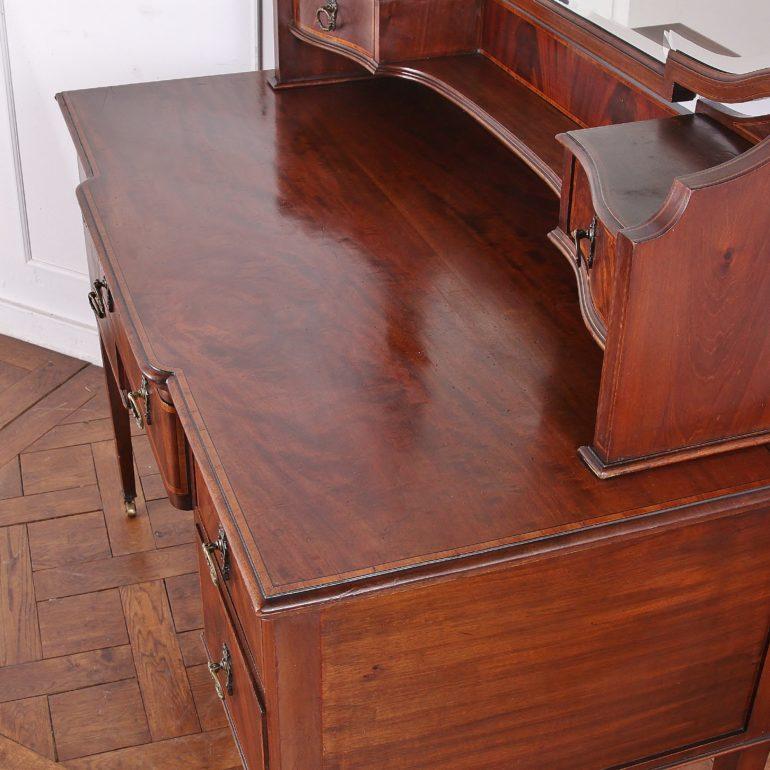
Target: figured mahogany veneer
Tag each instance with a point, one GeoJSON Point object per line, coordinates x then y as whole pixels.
{"type": "Point", "coordinates": [677, 280]}
{"type": "Point", "coordinates": [552, 644]}
{"type": "Point", "coordinates": [382, 375]}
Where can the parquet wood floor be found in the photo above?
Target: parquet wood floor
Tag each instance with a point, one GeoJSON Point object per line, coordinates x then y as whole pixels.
{"type": "Point", "coordinates": [101, 665]}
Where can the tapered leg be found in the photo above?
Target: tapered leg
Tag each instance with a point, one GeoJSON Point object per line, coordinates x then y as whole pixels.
{"type": "Point", "coordinates": [122, 427]}
{"type": "Point", "coordinates": [749, 759]}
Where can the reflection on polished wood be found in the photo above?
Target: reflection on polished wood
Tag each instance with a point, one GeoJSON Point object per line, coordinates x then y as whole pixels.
{"type": "Point", "coordinates": [442, 324]}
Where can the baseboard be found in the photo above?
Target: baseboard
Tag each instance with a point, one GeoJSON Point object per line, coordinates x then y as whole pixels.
{"type": "Point", "coordinates": [63, 335]}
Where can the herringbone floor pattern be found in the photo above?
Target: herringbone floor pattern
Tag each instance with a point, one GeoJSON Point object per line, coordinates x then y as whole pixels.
{"type": "Point", "coordinates": [101, 665]}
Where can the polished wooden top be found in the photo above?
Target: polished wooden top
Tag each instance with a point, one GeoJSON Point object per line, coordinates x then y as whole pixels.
{"type": "Point", "coordinates": [633, 165]}
{"type": "Point", "coordinates": [381, 352]}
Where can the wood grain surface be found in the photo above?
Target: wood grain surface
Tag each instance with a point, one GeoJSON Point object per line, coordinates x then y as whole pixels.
{"type": "Point", "coordinates": [442, 400]}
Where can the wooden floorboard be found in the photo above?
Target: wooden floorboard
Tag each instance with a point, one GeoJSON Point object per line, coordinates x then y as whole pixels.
{"type": "Point", "coordinates": [159, 666]}
{"type": "Point", "coordinates": [28, 721]}
{"type": "Point", "coordinates": [15, 755]}
{"type": "Point", "coordinates": [34, 386]}
{"type": "Point", "coordinates": [101, 661]}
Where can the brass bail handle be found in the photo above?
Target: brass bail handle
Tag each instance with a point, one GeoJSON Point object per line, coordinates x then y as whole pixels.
{"type": "Point", "coordinates": [96, 299]}
{"type": "Point", "coordinates": [326, 16]}
{"type": "Point", "coordinates": [132, 403]}
{"type": "Point", "coordinates": [225, 664]}
{"type": "Point", "coordinates": [580, 235]}
{"type": "Point", "coordinates": [220, 544]}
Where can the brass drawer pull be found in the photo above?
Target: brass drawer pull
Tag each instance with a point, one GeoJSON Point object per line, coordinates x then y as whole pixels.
{"type": "Point", "coordinates": [590, 234]}
{"type": "Point", "coordinates": [326, 16]}
{"type": "Point", "coordinates": [225, 664]}
{"type": "Point", "coordinates": [220, 544]}
{"type": "Point", "coordinates": [96, 300]}
{"type": "Point", "coordinates": [132, 404]}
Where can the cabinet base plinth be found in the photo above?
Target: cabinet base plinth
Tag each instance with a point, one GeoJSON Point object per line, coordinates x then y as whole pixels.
{"type": "Point", "coordinates": [606, 470]}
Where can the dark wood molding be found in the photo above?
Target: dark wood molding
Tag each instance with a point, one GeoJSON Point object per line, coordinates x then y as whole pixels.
{"type": "Point", "coordinates": [685, 77]}
{"type": "Point", "coordinates": [755, 128]}
{"type": "Point", "coordinates": [593, 320]}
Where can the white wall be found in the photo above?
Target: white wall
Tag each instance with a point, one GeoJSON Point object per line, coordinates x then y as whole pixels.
{"type": "Point", "coordinates": [741, 25]}
{"type": "Point", "coordinates": [55, 45]}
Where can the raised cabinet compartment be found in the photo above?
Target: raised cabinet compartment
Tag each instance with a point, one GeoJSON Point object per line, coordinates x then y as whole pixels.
{"type": "Point", "coordinates": [231, 676]}
{"type": "Point", "coordinates": [618, 177]}
{"type": "Point", "coordinates": [672, 284]}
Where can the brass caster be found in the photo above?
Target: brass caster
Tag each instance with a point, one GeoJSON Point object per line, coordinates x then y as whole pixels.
{"type": "Point", "coordinates": [130, 508]}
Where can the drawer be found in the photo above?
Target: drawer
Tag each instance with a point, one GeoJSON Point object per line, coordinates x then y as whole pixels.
{"type": "Point", "coordinates": [382, 31]}
{"type": "Point", "coordinates": [347, 22]}
{"type": "Point", "coordinates": [102, 303]}
{"type": "Point", "coordinates": [155, 412]}
{"type": "Point", "coordinates": [224, 565]}
{"type": "Point", "coordinates": [231, 675]}
{"type": "Point", "coordinates": [597, 270]}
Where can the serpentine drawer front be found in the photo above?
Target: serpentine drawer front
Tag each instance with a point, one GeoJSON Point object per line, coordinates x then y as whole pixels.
{"type": "Point", "coordinates": [593, 250]}
{"type": "Point", "coordinates": [231, 677]}
{"type": "Point", "coordinates": [224, 568]}
{"type": "Point", "coordinates": [102, 303]}
{"type": "Point", "coordinates": [349, 22]}
{"type": "Point", "coordinates": [150, 406]}
{"type": "Point", "coordinates": [143, 390]}
{"type": "Point", "coordinates": [376, 32]}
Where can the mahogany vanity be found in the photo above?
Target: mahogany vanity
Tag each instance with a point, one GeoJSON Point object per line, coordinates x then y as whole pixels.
{"type": "Point", "coordinates": [453, 512]}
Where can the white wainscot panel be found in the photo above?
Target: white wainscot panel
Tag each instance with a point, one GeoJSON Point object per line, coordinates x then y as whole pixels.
{"type": "Point", "coordinates": [57, 45]}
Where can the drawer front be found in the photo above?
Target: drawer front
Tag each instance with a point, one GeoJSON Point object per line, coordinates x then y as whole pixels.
{"type": "Point", "coordinates": [160, 420]}
{"type": "Point", "coordinates": [351, 22]}
{"type": "Point", "coordinates": [235, 684]}
{"type": "Point", "coordinates": [596, 273]}
{"type": "Point", "coordinates": [228, 574]}
{"type": "Point", "coordinates": [163, 427]}
{"type": "Point", "coordinates": [102, 303]}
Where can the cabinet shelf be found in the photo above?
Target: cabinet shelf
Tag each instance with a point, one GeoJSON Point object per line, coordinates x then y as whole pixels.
{"type": "Point", "coordinates": [518, 116]}
{"type": "Point", "coordinates": [523, 120]}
